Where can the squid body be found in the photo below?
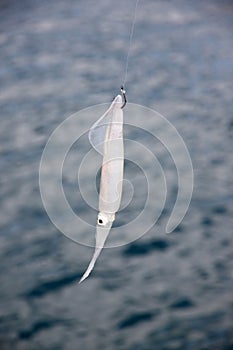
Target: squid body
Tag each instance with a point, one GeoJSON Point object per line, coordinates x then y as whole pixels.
{"type": "Point", "coordinates": [106, 136]}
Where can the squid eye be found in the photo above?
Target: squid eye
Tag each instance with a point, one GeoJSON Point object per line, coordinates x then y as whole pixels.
{"type": "Point", "coordinates": [102, 220]}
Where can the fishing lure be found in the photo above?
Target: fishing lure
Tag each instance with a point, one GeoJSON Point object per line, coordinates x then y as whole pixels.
{"type": "Point", "coordinates": [106, 136]}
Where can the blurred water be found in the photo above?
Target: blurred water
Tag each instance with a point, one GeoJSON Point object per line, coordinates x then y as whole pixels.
{"type": "Point", "coordinates": [163, 292]}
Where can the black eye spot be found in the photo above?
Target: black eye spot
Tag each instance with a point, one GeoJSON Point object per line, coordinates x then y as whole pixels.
{"type": "Point", "coordinates": [100, 221]}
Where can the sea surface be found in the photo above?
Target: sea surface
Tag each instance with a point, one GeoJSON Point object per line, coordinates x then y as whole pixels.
{"type": "Point", "coordinates": [162, 291]}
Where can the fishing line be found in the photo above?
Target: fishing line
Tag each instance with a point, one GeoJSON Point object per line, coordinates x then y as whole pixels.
{"type": "Point", "coordinates": [130, 42]}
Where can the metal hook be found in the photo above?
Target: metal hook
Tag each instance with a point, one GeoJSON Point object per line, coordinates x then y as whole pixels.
{"type": "Point", "coordinates": [123, 92]}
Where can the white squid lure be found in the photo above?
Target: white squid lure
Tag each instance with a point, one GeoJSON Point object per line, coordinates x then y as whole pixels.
{"type": "Point", "coordinates": [106, 136]}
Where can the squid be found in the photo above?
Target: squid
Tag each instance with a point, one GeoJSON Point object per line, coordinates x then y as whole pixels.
{"type": "Point", "coordinates": [106, 137]}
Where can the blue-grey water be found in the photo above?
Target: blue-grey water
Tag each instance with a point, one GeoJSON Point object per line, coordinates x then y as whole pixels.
{"type": "Point", "coordinates": [162, 291]}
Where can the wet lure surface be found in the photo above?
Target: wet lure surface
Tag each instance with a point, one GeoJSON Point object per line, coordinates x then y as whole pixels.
{"type": "Point", "coordinates": [106, 136]}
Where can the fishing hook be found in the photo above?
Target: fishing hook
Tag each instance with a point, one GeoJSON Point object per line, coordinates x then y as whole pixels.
{"type": "Point", "coordinates": [123, 92]}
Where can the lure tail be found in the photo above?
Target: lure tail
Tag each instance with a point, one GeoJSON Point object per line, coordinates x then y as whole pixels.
{"type": "Point", "coordinates": [101, 236]}
{"type": "Point", "coordinates": [91, 265]}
